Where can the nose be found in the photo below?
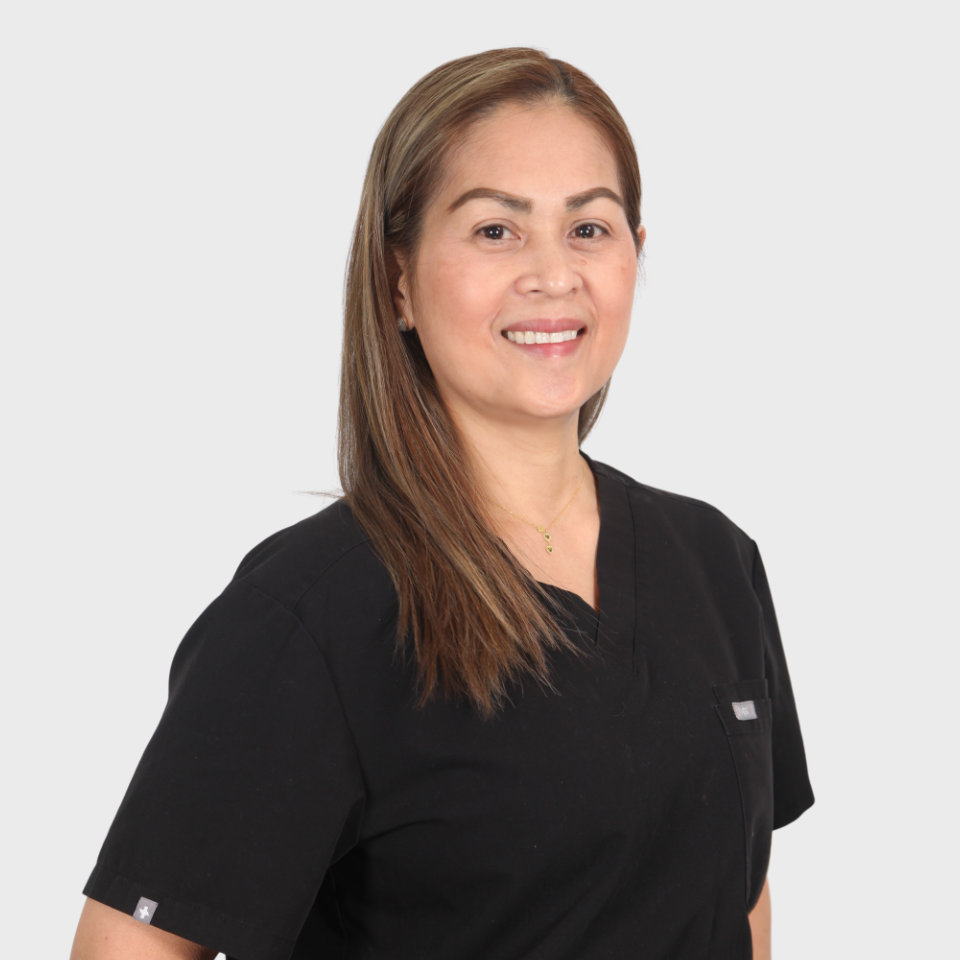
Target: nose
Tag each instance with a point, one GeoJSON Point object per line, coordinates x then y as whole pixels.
{"type": "Point", "coordinates": [548, 266]}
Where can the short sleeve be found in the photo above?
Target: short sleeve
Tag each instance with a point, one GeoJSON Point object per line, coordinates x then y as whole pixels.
{"type": "Point", "coordinates": [791, 783]}
{"type": "Point", "coordinates": [247, 791]}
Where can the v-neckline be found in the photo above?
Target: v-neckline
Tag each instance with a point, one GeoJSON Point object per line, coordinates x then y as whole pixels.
{"type": "Point", "coordinates": [614, 619]}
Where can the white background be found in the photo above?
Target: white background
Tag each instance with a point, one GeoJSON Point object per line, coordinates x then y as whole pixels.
{"type": "Point", "coordinates": [179, 182]}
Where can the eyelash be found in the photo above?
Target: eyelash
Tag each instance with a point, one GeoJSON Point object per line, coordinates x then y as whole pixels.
{"type": "Point", "coordinates": [596, 226]}
{"type": "Point", "coordinates": [482, 231]}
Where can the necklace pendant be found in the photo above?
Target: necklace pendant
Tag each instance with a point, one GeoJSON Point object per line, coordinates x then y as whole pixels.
{"type": "Point", "coordinates": [549, 548]}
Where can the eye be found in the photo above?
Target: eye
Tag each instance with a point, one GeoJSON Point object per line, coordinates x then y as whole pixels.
{"type": "Point", "coordinates": [494, 231]}
{"type": "Point", "coordinates": [589, 231]}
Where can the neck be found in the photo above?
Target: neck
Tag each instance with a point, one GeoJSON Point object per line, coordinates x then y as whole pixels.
{"type": "Point", "coordinates": [531, 471]}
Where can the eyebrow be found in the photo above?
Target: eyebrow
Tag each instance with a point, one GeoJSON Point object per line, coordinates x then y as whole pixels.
{"type": "Point", "coordinates": [579, 200]}
{"type": "Point", "coordinates": [523, 205]}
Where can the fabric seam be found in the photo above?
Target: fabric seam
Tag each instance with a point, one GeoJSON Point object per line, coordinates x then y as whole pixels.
{"type": "Point", "coordinates": [200, 908]}
{"type": "Point", "coordinates": [316, 645]}
{"type": "Point", "coordinates": [247, 578]}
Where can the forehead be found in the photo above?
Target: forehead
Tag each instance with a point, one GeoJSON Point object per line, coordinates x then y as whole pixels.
{"type": "Point", "coordinates": [537, 151]}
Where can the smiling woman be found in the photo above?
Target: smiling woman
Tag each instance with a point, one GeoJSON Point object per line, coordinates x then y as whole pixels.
{"type": "Point", "coordinates": [500, 700]}
{"type": "Point", "coordinates": [534, 278]}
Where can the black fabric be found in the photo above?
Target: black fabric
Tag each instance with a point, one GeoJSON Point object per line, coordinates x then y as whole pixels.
{"type": "Point", "coordinates": [294, 803]}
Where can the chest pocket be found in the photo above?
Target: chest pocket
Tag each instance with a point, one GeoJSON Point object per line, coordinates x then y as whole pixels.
{"type": "Point", "coordinates": [745, 711]}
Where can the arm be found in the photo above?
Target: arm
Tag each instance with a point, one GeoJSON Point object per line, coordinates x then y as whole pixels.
{"type": "Point", "coordinates": [107, 934]}
{"type": "Point", "coordinates": [760, 924]}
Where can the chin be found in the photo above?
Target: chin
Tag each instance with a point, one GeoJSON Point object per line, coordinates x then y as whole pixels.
{"type": "Point", "coordinates": [556, 411]}
{"type": "Point", "coordinates": [564, 404]}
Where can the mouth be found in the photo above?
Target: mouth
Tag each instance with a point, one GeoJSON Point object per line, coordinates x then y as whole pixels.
{"type": "Point", "coordinates": [544, 331]}
{"type": "Point", "coordinates": [541, 336]}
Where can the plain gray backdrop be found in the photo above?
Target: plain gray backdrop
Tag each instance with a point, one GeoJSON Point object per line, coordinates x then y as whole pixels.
{"type": "Point", "coordinates": [179, 182]}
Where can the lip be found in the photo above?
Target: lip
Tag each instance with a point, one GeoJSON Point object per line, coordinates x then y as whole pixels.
{"type": "Point", "coordinates": [545, 325]}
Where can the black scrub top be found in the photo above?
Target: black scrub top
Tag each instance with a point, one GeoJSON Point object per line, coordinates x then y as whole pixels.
{"type": "Point", "coordinates": [294, 802]}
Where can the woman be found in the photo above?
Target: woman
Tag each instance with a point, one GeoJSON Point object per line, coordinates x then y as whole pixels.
{"type": "Point", "coordinates": [499, 701]}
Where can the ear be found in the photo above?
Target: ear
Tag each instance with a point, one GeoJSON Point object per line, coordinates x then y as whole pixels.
{"type": "Point", "coordinates": [641, 237]}
{"type": "Point", "coordinates": [402, 300]}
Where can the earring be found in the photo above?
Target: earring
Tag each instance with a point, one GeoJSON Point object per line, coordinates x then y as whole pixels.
{"type": "Point", "coordinates": [402, 325]}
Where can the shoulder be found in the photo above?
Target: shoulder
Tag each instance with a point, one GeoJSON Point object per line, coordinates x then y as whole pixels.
{"type": "Point", "coordinates": [325, 549]}
{"type": "Point", "coordinates": [681, 519]}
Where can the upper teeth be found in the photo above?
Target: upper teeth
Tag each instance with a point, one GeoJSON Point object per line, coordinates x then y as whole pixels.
{"type": "Point", "coordinates": [530, 336]}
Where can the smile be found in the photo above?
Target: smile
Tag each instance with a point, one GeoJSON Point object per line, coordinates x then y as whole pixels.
{"type": "Point", "coordinates": [531, 336]}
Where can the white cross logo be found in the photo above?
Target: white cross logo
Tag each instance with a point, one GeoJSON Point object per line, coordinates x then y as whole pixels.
{"type": "Point", "coordinates": [144, 912]}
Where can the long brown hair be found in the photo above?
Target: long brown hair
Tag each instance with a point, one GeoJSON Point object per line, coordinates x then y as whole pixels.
{"type": "Point", "coordinates": [475, 618]}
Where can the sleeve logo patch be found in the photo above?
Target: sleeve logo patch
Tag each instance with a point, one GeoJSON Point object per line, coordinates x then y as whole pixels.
{"type": "Point", "coordinates": [145, 910]}
{"type": "Point", "coordinates": [744, 710]}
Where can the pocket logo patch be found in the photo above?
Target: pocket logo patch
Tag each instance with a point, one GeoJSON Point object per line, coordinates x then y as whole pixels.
{"type": "Point", "coordinates": [745, 710]}
{"type": "Point", "coordinates": [144, 911]}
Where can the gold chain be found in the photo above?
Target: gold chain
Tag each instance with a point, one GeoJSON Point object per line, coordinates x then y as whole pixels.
{"type": "Point", "coordinates": [543, 529]}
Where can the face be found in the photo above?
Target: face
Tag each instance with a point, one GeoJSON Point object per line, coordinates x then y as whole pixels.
{"type": "Point", "coordinates": [522, 285]}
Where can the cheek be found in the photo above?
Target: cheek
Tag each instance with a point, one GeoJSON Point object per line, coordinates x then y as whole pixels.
{"type": "Point", "coordinates": [618, 291]}
{"type": "Point", "coordinates": [456, 291]}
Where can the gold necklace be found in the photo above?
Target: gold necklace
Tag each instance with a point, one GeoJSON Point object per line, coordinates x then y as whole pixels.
{"type": "Point", "coordinates": [543, 529]}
